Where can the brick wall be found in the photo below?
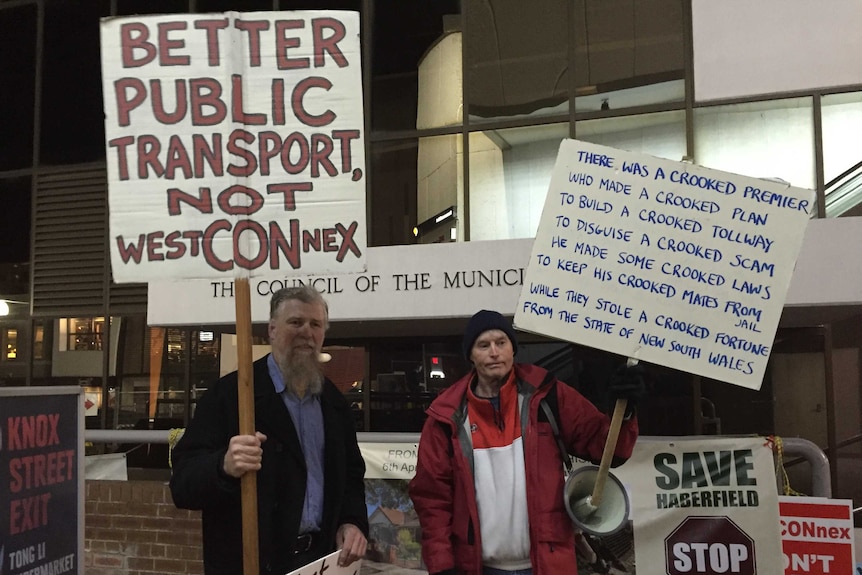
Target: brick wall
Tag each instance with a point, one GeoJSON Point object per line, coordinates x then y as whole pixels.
{"type": "Point", "coordinates": [133, 528]}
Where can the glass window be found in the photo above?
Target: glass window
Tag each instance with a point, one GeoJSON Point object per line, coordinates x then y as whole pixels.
{"type": "Point", "coordinates": [15, 219]}
{"type": "Point", "coordinates": [355, 5]}
{"type": "Point", "coordinates": [39, 341]}
{"type": "Point", "coordinates": [393, 192]}
{"type": "Point", "coordinates": [73, 121]}
{"type": "Point", "coordinates": [516, 58]}
{"type": "Point", "coordinates": [225, 5]}
{"type": "Point", "coordinates": [135, 346]}
{"type": "Point", "coordinates": [84, 333]}
{"type": "Point", "coordinates": [439, 181]}
{"type": "Point", "coordinates": [18, 70]}
{"type": "Point", "coordinates": [10, 345]}
{"type": "Point", "coordinates": [621, 98]}
{"type": "Point", "coordinates": [442, 365]}
{"type": "Point", "coordinates": [132, 403]}
{"type": "Point", "coordinates": [439, 100]}
{"type": "Point", "coordinates": [406, 376]}
{"type": "Point", "coordinates": [132, 7]}
{"type": "Point", "coordinates": [403, 34]}
{"type": "Point", "coordinates": [628, 53]}
{"type": "Point", "coordinates": [205, 352]}
{"type": "Point", "coordinates": [842, 159]}
{"type": "Point", "coordinates": [842, 124]}
{"type": "Point", "coordinates": [661, 135]}
{"type": "Point", "coordinates": [175, 348]}
{"type": "Point", "coordinates": [510, 171]}
{"type": "Point", "coordinates": [346, 369]}
{"type": "Point", "coordinates": [773, 139]}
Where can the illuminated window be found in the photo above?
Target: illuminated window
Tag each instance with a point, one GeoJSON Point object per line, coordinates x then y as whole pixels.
{"type": "Point", "coordinates": [85, 333]}
{"type": "Point", "coordinates": [10, 342]}
{"type": "Point", "coordinates": [176, 346]}
{"type": "Point", "coordinates": [38, 341]}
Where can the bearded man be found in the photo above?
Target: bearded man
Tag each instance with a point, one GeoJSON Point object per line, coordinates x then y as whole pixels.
{"type": "Point", "coordinates": [310, 490]}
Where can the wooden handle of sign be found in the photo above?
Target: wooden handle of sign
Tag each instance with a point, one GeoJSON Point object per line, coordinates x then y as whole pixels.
{"type": "Point", "coordinates": [608, 453]}
{"type": "Point", "coordinates": [248, 482]}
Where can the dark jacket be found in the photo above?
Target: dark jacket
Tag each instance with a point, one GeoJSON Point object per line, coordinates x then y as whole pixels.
{"type": "Point", "coordinates": [443, 491]}
{"type": "Point", "coordinates": [197, 481]}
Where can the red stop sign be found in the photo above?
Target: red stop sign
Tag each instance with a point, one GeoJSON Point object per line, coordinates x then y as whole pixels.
{"type": "Point", "coordinates": [709, 546]}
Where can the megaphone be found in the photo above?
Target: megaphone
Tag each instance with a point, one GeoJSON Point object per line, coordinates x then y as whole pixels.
{"type": "Point", "coordinates": [594, 505]}
{"type": "Point", "coordinates": [605, 518]}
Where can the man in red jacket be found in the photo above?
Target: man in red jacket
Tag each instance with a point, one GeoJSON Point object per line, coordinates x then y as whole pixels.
{"type": "Point", "coordinates": [489, 482]}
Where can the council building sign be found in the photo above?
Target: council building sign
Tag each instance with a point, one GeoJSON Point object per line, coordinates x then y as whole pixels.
{"type": "Point", "coordinates": [235, 144]}
{"type": "Point", "coordinates": [661, 261]}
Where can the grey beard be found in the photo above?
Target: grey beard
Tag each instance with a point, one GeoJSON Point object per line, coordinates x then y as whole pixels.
{"type": "Point", "coordinates": [303, 369]}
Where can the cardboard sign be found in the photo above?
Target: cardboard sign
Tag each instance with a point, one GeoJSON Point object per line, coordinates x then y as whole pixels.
{"type": "Point", "coordinates": [817, 535]}
{"type": "Point", "coordinates": [328, 565]}
{"type": "Point", "coordinates": [235, 144]}
{"type": "Point", "coordinates": [662, 261]}
{"type": "Point", "coordinates": [42, 502]}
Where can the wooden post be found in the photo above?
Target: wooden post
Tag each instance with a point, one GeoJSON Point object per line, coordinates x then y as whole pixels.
{"type": "Point", "coordinates": [245, 390]}
{"type": "Point", "coordinates": [608, 453]}
{"type": "Point", "coordinates": [610, 445]}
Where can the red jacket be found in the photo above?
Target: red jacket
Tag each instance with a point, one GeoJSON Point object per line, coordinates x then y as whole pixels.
{"type": "Point", "coordinates": [443, 490]}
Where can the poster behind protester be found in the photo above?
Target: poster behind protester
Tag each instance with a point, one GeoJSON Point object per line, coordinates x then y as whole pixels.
{"type": "Point", "coordinates": [42, 494]}
{"type": "Point", "coordinates": [662, 261]}
{"type": "Point", "coordinates": [235, 144]}
{"type": "Point", "coordinates": [817, 535]}
{"type": "Point", "coordinates": [389, 460]}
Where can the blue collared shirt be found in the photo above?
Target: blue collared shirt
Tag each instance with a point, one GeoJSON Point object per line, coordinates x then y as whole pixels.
{"type": "Point", "coordinates": [307, 417]}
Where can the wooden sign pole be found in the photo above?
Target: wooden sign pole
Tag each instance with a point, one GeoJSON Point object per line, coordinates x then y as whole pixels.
{"type": "Point", "coordinates": [248, 483]}
{"type": "Point", "coordinates": [608, 453]}
{"type": "Point", "coordinates": [610, 444]}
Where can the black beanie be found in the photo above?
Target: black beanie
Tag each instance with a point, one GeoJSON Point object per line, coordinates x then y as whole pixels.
{"type": "Point", "coordinates": [481, 322]}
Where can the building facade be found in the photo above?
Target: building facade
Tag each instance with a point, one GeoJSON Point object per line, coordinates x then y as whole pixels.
{"type": "Point", "coordinates": [466, 104]}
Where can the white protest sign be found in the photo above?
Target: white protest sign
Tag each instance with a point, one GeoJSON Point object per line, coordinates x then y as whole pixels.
{"type": "Point", "coordinates": [704, 505]}
{"type": "Point", "coordinates": [662, 261]}
{"type": "Point", "coordinates": [235, 144]}
{"type": "Point", "coordinates": [328, 565]}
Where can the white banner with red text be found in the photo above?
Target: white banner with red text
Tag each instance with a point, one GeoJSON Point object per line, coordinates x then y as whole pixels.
{"type": "Point", "coordinates": [235, 144]}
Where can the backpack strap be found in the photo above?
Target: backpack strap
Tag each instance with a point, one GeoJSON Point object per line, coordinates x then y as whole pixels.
{"type": "Point", "coordinates": [552, 419]}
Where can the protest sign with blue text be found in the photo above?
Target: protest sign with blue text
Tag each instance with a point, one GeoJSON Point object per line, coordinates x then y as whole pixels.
{"type": "Point", "coordinates": [665, 262]}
